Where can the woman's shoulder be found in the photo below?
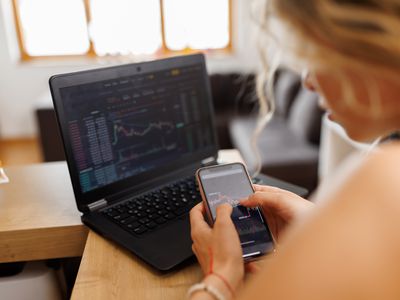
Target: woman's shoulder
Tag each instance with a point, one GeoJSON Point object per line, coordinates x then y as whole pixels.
{"type": "Point", "coordinates": [377, 173]}
{"type": "Point", "coordinates": [385, 161]}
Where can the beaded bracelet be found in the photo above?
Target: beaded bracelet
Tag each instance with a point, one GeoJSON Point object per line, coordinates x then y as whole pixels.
{"type": "Point", "coordinates": [226, 283]}
{"type": "Point", "coordinates": [207, 288]}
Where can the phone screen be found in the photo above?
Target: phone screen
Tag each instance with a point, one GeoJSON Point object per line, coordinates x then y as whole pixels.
{"type": "Point", "coordinates": [229, 184]}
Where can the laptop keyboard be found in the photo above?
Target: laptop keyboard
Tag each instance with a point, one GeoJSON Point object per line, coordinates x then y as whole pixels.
{"type": "Point", "coordinates": [147, 212]}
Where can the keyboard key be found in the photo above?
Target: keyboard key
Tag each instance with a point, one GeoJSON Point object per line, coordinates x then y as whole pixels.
{"type": "Point", "coordinates": [162, 212]}
{"type": "Point", "coordinates": [131, 219]}
{"type": "Point", "coordinates": [140, 230]}
{"type": "Point", "coordinates": [161, 220]}
{"type": "Point", "coordinates": [182, 210]}
{"type": "Point", "coordinates": [169, 216]}
{"type": "Point", "coordinates": [144, 220]}
{"type": "Point", "coordinates": [151, 225]}
{"type": "Point", "coordinates": [150, 210]}
{"type": "Point", "coordinates": [140, 214]}
{"type": "Point", "coordinates": [153, 216]}
{"type": "Point", "coordinates": [133, 225]}
{"type": "Point", "coordinates": [117, 217]}
{"type": "Point", "coordinates": [111, 212]}
{"type": "Point", "coordinates": [151, 204]}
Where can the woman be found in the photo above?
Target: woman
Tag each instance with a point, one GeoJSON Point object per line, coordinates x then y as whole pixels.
{"type": "Point", "coordinates": [346, 246]}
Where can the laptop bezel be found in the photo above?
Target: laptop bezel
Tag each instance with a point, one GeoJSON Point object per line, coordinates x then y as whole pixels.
{"type": "Point", "coordinates": [58, 82]}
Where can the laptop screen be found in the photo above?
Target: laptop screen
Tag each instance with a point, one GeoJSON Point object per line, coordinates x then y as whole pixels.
{"type": "Point", "coordinates": [123, 125]}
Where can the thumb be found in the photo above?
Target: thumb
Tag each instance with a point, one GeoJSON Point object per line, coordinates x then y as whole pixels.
{"type": "Point", "coordinates": [254, 200]}
{"type": "Point", "coordinates": [224, 211]}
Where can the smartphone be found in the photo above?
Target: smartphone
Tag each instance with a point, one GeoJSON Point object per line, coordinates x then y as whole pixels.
{"type": "Point", "coordinates": [229, 183]}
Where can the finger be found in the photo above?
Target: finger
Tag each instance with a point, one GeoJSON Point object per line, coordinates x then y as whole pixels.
{"type": "Point", "coordinates": [265, 199]}
{"type": "Point", "coordinates": [197, 212]}
{"type": "Point", "coordinates": [242, 199]}
{"type": "Point", "coordinates": [255, 199]}
{"type": "Point", "coordinates": [194, 249]}
{"type": "Point", "coordinates": [265, 188]}
{"type": "Point", "coordinates": [262, 188]}
{"type": "Point", "coordinates": [224, 211]}
{"type": "Point", "coordinates": [197, 217]}
{"type": "Point", "coordinates": [199, 207]}
{"type": "Point", "coordinates": [223, 214]}
{"type": "Point", "coordinates": [252, 268]}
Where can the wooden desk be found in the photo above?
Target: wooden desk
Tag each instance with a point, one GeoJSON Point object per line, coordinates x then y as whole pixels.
{"type": "Point", "coordinates": [109, 272]}
{"type": "Point", "coordinates": [38, 214]}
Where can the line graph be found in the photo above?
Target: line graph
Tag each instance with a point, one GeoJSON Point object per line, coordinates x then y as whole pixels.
{"type": "Point", "coordinates": [131, 154]}
{"type": "Point", "coordinates": [249, 227]}
{"type": "Point", "coordinates": [218, 198]}
{"type": "Point", "coordinates": [139, 130]}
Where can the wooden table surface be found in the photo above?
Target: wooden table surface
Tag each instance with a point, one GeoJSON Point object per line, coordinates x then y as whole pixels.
{"type": "Point", "coordinates": [38, 214]}
{"type": "Point", "coordinates": [108, 271]}
{"type": "Point", "coordinates": [39, 220]}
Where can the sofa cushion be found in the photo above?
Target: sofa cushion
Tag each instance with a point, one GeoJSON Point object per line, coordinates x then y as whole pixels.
{"type": "Point", "coordinates": [287, 85]}
{"type": "Point", "coordinates": [284, 154]}
{"type": "Point", "coordinates": [233, 92]}
{"type": "Point", "coordinates": [305, 117]}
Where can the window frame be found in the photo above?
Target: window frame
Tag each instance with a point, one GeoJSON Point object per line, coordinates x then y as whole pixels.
{"type": "Point", "coordinates": [91, 53]}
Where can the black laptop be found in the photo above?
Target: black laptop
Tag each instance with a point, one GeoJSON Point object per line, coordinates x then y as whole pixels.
{"type": "Point", "coordinates": [134, 135]}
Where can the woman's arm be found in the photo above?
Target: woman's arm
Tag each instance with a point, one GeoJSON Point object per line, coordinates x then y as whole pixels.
{"type": "Point", "coordinates": [218, 249]}
{"type": "Point", "coordinates": [349, 248]}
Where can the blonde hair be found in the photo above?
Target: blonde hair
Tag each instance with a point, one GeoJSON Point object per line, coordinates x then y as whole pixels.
{"type": "Point", "coordinates": [361, 32]}
{"type": "Point", "coordinates": [326, 35]}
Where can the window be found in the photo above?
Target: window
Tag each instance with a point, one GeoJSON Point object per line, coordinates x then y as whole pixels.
{"type": "Point", "coordinates": [48, 28]}
{"type": "Point", "coordinates": [196, 24]}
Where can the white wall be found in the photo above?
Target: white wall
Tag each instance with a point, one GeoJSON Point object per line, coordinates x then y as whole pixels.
{"type": "Point", "coordinates": [24, 87]}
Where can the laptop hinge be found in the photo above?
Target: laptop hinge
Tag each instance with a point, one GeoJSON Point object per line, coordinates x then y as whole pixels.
{"type": "Point", "coordinates": [97, 204]}
{"type": "Point", "coordinates": [208, 160]}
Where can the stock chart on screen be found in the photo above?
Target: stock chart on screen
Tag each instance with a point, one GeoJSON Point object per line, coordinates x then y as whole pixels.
{"type": "Point", "coordinates": [126, 126]}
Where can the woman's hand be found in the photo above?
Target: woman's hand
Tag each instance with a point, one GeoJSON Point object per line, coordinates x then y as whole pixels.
{"type": "Point", "coordinates": [217, 247]}
{"type": "Point", "coordinates": [279, 207]}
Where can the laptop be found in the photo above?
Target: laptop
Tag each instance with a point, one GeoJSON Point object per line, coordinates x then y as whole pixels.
{"type": "Point", "coordinates": [134, 135]}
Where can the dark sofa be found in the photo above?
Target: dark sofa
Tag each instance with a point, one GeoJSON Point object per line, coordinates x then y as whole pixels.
{"type": "Point", "coordinates": [289, 145]}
